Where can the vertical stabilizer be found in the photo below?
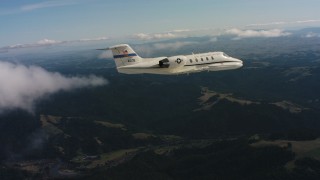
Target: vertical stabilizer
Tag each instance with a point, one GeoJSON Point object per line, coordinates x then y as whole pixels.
{"type": "Point", "coordinates": [124, 55]}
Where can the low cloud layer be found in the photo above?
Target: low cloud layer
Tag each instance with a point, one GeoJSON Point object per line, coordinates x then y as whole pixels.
{"type": "Point", "coordinates": [22, 86]}
{"type": "Point", "coordinates": [176, 33]}
{"type": "Point", "coordinates": [239, 33]}
{"type": "Point", "coordinates": [144, 36]}
{"type": "Point", "coordinates": [286, 22]}
{"type": "Point", "coordinates": [49, 42]}
{"type": "Point", "coordinates": [312, 35]}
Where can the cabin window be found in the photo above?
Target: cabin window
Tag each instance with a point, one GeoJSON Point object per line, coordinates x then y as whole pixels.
{"type": "Point", "coordinates": [207, 58]}
{"type": "Point", "coordinates": [190, 60]}
{"type": "Point", "coordinates": [196, 60]}
{"type": "Point", "coordinates": [201, 59]}
{"type": "Point", "coordinates": [212, 58]}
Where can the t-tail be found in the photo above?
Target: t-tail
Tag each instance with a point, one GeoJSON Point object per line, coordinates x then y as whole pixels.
{"type": "Point", "coordinates": [124, 55]}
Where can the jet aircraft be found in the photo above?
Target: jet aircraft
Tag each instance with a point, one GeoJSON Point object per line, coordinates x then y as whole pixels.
{"type": "Point", "coordinates": [129, 62]}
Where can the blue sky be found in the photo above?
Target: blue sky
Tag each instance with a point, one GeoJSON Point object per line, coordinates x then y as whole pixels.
{"type": "Point", "coordinates": [29, 21]}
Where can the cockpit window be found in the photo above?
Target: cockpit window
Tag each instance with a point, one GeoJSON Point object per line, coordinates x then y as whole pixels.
{"type": "Point", "coordinates": [226, 55]}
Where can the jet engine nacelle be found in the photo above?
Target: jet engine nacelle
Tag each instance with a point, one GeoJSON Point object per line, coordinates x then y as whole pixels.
{"type": "Point", "coordinates": [173, 62]}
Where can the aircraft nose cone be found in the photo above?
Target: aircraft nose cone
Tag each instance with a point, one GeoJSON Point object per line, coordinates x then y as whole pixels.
{"type": "Point", "coordinates": [239, 62]}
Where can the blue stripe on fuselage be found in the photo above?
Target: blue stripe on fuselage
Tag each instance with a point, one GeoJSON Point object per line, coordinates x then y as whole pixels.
{"type": "Point", "coordinates": [124, 55]}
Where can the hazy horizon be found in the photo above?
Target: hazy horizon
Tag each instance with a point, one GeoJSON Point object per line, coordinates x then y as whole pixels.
{"type": "Point", "coordinates": [54, 21]}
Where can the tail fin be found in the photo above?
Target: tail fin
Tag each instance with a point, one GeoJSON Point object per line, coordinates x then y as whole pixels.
{"type": "Point", "coordinates": [124, 55]}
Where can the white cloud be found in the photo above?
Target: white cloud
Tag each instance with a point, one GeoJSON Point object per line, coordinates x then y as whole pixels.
{"type": "Point", "coordinates": [285, 22]}
{"type": "Point", "coordinates": [172, 46]}
{"type": "Point", "coordinates": [164, 36]}
{"type": "Point", "coordinates": [179, 33]}
{"type": "Point", "coordinates": [307, 21]}
{"type": "Point", "coordinates": [49, 42]}
{"type": "Point", "coordinates": [311, 35]}
{"type": "Point", "coordinates": [22, 86]}
{"type": "Point", "coordinates": [91, 39]}
{"type": "Point", "coordinates": [144, 36]}
{"type": "Point", "coordinates": [43, 42]}
{"type": "Point", "coordinates": [256, 33]}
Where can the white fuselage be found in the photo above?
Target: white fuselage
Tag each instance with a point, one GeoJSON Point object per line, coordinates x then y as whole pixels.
{"type": "Point", "coordinates": [129, 62]}
{"type": "Point", "coordinates": [211, 61]}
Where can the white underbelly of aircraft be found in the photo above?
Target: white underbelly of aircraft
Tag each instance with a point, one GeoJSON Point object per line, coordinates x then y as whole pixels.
{"type": "Point", "coordinates": [225, 66]}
